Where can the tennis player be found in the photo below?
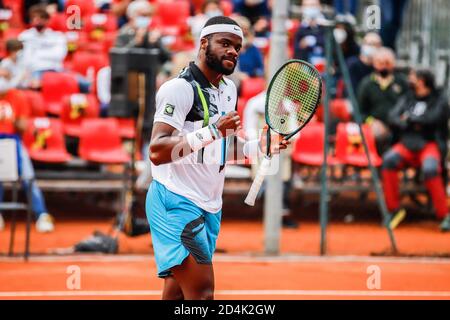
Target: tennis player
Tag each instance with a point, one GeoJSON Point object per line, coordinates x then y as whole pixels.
{"type": "Point", "coordinates": [194, 123]}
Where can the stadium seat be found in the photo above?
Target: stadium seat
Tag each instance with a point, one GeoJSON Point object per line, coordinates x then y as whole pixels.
{"type": "Point", "coordinates": [100, 21]}
{"type": "Point", "coordinates": [15, 21]}
{"type": "Point", "coordinates": [171, 17]}
{"type": "Point", "coordinates": [100, 142]}
{"type": "Point", "coordinates": [227, 7]}
{"type": "Point", "coordinates": [36, 102]}
{"type": "Point", "coordinates": [349, 147]}
{"type": "Point", "coordinates": [240, 108]}
{"type": "Point", "coordinates": [339, 109]}
{"type": "Point", "coordinates": [76, 108]}
{"type": "Point", "coordinates": [127, 128]}
{"type": "Point", "coordinates": [55, 86]}
{"type": "Point", "coordinates": [58, 21]}
{"type": "Point", "coordinates": [88, 63]}
{"type": "Point", "coordinates": [44, 141]}
{"type": "Point", "coordinates": [308, 148]}
{"type": "Point", "coordinates": [250, 87]}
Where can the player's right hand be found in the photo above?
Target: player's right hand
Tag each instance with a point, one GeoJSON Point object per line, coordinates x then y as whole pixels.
{"type": "Point", "coordinates": [228, 124]}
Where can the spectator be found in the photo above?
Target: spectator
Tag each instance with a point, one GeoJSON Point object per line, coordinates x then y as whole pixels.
{"type": "Point", "coordinates": [310, 37]}
{"type": "Point", "coordinates": [210, 8]}
{"type": "Point", "coordinates": [345, 37]}
{"type": "Point", "coordinates": [119, 8]}
{"type": "Point", "coordinates": [44, 49]}
{"type": "Point", "coordinates": [361, 66]}
{"type": "Point", "coordinates": [418, 116]}
{"type": "Point", "coordinates": [13, 72]}
{"type": "Point", "coordinates": [14, 113]}
{"type": "Point", "coordinates": [250, 59]}
{"type": "Point", "coordinates": [51, 6]}
{"type": "Point", "coordinates": [346, 8]}
{"type": "Point", "coordinates": [136, 33]}
{"type": "Point", "coordinates": [378, 94]}
{"type": "Point", "coordinates": [254, 119]}
{"type": "Point", "coordinates": [104, 89]}
{"type": "Point", "coordinates": [252, 9]}
{"type": "Point", "coordinates": [391, 20]}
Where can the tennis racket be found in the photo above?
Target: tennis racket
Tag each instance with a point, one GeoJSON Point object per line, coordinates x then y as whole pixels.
{"type": "Point", "coordinates": [292, 98]}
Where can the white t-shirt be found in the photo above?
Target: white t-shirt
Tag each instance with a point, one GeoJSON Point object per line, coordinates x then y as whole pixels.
{"type": "Point", "coordinates": [199, 181]}
{"type": "Point", "coordinates": [43, 50]}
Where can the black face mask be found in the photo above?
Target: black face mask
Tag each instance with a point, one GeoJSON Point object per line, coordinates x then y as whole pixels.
{"type": "Point", "coordinates": [384, 73]}
{"type": "Point", "coordinates": [39, 27]}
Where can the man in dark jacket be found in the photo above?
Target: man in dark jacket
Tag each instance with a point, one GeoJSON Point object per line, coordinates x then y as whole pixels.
{"type": "Point", "coordinates": [418, 117]}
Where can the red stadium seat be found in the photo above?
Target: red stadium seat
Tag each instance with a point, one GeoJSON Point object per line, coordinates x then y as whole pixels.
{"type": "Point", "coordinates": [45, 141]}
{"type": "Point", "coordinates": [339, 109]}
{"type": "Point", "coordinates": [100, 142]}
{"type": "Point", "coordinates": [58, 22]}
{"type": "Point", "coordinates": [16, 19]}
{"type": "Point", "coordinates": [127, 128]}
{"type": "Point", "coordinates": [76, 108]}
{"type": "Point", "coordinates": [88, 63]}
{"type": "Point", "coordinates": [100, 21]}
{"type": "Point", "coordinates": [227, 7]}
{"type": "Point", "coordinates": [250, 87]}
{"type": "Point", "coordinates": [36, 102]}
{"type": "Point", "coordinates": [171, 17]}
{"type": "Point", "coordinates": [349, 147]}
{"type": "Point", "coordinates": [309, 147]}
{"type": "Point", "coordinates": [240, 108]}
{"type": "Point", "coordinates": [55, 86]}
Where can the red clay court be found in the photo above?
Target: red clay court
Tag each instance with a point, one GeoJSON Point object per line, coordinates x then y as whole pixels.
{"type": "Point", "coordinates": [242, 271]}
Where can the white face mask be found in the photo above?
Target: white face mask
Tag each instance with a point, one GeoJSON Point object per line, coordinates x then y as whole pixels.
{"type": "Point", "coordinates": [142, 22]}
{"type": "Point", "coordinates": [367, 50]}
{"type": "Point", "coordinates": [340, 35]}
{"type": "Point", "coordinates": [213, 13]}
{"type": "Point", "coordinates": [19, 55]}
{"type": "Point", "coordinates": [311, 13]}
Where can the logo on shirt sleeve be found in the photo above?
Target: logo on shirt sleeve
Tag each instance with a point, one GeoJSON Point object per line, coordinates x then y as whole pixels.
{"type": "Point", "coordinates": [169, 109]}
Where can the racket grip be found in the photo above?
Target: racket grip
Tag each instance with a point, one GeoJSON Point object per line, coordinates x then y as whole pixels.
{"type": "Point", "coordinates": [257, 182]}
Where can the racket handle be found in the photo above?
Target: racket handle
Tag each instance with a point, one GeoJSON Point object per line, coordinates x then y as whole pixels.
{"type": "Point", "coordinates": [257, 182]}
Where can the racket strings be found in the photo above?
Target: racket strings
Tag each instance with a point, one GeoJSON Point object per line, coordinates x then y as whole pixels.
{"type": "Point", "coordinates": [293, 97]}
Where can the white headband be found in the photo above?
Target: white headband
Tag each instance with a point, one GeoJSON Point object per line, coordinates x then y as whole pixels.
{"type": "Point", "coordinates": [215, 28]}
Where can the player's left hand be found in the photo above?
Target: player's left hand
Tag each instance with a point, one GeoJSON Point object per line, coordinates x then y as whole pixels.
{"type": "Point", "coordinates": [277, 142]}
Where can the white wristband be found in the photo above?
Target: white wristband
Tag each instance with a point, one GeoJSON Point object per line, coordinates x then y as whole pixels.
{"type": "Point", "coordinates": [199, 139]}
{"type": "Point", "coordinates": [251, 149]}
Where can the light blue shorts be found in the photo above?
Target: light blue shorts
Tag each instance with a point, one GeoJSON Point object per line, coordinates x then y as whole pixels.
{"type": "Point", "coordinates": [179, 228]}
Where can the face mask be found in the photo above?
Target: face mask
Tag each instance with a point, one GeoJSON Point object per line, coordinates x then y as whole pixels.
{"type": "Point", "coordinates": [340, 35]}
{"type": "Point", "coordinates": [213, 13]}
{"type": "Point", "coordinates": [384, 73]}
{"type": "Point", "coordinates": [367, 51]}
{"type": "Point", "coordinates": [142, 22]}
{"type": "Point", "coordinates": [39, 27]}
{"type": "Point", "coordinates": [19, 55]}
{"type": "Point", "coordinates": [311, 13]}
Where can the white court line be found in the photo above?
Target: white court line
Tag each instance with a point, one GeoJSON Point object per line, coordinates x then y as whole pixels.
{"type": "Point", "coordinates": [319, 293]}
{"type": "Point", "coordinates": [227, 258]}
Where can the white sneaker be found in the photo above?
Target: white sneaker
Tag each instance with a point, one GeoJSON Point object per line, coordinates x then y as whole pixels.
{"type": "Point", "coordinates": [2, 223]}
{"type": "Point", "coordinates": [44, 223]}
